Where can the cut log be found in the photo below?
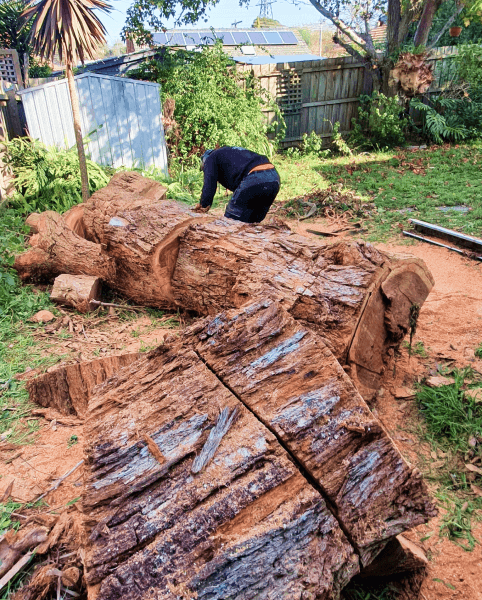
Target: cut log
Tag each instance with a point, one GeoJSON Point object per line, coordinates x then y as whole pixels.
{"type": "Point", "coordinates": [225, 514]}
{"type": "Point", "coordinates": [68, 389]}
{"type": "Point", "coordinates": [286, 375]}
{"type": "Point", "coordinates": [76, 291]}
{"type": "Point", "coordinates": [161, 254]}
{"type": "Point", "coordinates": [400, 555]}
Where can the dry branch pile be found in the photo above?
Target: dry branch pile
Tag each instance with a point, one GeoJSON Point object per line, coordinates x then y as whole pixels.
{"type": "Point", "coordinates": [238, 460]}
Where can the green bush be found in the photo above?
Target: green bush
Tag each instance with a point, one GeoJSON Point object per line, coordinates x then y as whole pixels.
{"type": "Point", "coordinates": [380, 123]}
{"type": "Point", "coordinates": [47, 178]}
{"type": "Point", "coordinates": [215, 105]}
{"type": "Point", "coordinates": [469, 64]}
{"type": "Point", "coordinates": [450, 119]}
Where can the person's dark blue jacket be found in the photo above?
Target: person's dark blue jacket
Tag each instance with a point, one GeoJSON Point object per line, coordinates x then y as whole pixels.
{"type": "Point", "coordinates": [228, 166]}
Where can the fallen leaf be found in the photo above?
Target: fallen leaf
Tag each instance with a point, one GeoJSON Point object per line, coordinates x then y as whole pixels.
{"type": "Point", "coordinates": [434, 455]}
{"type": "Point", "coordinates": [438, 381]}
{"type": "Point", "coordinates": [437, 464]}
{"type": "Point", "coordinates": [476, 490]}
{"type": "Point", "coordinates": [5, 435]}
{"type": "Point", "coordinates": [473, 468]}
{"type": "Point", "coordinates": [7, 493]}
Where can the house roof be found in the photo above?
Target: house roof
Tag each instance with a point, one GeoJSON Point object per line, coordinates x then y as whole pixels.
{"type": "Point", "coordinates": [278, 41]}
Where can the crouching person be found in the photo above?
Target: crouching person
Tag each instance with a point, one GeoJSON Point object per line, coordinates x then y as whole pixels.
{"type": "Point", "coordinates": [251, 177]}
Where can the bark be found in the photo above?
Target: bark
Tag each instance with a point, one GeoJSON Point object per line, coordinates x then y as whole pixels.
{"type": "Point", "coordinates": [68, 389]}
{"type": "Point", "coordinates": [425, 23]}
{"type": "Point", "coordinates": [76, 291]}
{"type": "Point", "coordinates": [247, 524]}
{"type": "Point", "coordinates": [287, 376]}
{"type": "Point", "coordinates": [161, 254]}
{"type": "Point", "coordinates": [74, 100]}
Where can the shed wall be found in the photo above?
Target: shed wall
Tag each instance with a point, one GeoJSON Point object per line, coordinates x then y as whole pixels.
{"type": "Point", "coordinates": [121, 118]}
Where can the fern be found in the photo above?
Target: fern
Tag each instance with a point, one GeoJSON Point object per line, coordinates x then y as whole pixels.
{"type": "Point", "coordinates": [449, 119]}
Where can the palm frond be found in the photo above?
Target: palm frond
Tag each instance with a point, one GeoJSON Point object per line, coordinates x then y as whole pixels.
{"type": "Point", "coordinates": [67, 28]}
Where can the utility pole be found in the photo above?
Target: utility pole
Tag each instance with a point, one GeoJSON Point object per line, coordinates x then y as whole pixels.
{"type": "Point", "coordinates": [321, 31]}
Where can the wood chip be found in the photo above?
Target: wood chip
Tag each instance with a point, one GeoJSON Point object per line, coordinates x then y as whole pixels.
{"type": "Point", "coordinates": [154, 448]}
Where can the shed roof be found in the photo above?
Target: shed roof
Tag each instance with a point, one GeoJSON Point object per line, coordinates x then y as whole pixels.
{"type": "Point", "coordinates": [271, 59]}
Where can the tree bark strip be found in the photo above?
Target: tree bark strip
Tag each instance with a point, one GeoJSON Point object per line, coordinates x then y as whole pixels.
{"type": "Point", "coordinates": [287, 376]}
{"type": "Point", "coordinates": [247, 524]}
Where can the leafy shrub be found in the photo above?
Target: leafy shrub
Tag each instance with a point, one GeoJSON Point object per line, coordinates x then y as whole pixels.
{"type": "Point", "coordinates": [380, 122]}
{"type": "Point", "coordinates": [47, 178]}
{"type": "Point", "coordinates": [469, 64]}
{"type": "Point", "coordinates": [214, 105]}
{"type": "Point", "coordinates": [36, 69]}
{"type": "Point", "coordinates": [450, 119]}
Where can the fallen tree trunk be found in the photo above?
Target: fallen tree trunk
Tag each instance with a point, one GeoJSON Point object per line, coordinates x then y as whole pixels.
{"type": "Point", "coordinates": [287, 376]}
{"type": "Point", "coordinates": [159, 253]}
{"type": "Point", "coordinates": [201, 481]}
{"type": "Point", "coordinates": [188, 495]}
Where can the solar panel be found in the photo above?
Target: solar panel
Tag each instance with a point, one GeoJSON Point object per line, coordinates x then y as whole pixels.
{"type": "Point", "coordinates": [273, 37]}
{"type": "Point", "coordinates": [288, 37]}
{"type": "Point", "coordinates": [257, 37]}
{"type": "Point", "coordinates": [207, 38]}
{"type": "Point", "coordinates": [159, 38]}
{"type": "Point", "coordinates": [240, 37]}
{"type": "Point", "coordinates": [192, 38]}
{"type": "Point", "coordinates": [175, 39]}
{"type": "Point", "coordinates": [227, 38]}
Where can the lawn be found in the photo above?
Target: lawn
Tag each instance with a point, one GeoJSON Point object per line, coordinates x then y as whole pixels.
{"type": "Point", "coordinates": [428, 184]}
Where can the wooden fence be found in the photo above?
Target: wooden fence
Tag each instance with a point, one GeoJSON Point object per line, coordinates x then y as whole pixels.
{"type": "Point", "coordinates": [313, 95]}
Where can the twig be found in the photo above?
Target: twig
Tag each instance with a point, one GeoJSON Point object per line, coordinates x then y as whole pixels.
{"type": "Point", "coordinates": [55, 485]}
{"type": "Point", "coordinates": [16, 568]}
{"type": "Point", "coordinates": [125, 307]}
{"type": "Point", "coordinates": [83, 331]}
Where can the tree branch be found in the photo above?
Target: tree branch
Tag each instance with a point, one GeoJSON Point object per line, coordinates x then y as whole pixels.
{"type": "Point", "coordinates": [344, 28]}
{"type": "Point", "coordinates": [445, 27]}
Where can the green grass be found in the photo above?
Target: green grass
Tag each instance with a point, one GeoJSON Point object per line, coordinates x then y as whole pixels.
{"type": "Point", "coordinates": [402, 184]}
{"type": "Point", "coordinates": [452, 424]}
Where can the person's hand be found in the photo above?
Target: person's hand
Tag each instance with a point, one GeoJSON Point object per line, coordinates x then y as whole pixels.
{"type": "Point", "coordinates": [200, 209]}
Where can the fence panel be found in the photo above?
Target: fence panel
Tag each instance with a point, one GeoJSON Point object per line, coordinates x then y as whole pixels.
{"type": "Point", "coordinates": [314, 95]}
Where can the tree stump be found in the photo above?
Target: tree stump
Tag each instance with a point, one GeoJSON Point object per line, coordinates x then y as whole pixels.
{"type": "Point", "coordinates": [76, 291]}
{"type": "Point", "coordinates": [188, 495]}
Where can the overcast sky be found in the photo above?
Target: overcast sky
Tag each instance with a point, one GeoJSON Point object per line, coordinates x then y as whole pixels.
{"type": "Point", "coordinates": [224, 15]}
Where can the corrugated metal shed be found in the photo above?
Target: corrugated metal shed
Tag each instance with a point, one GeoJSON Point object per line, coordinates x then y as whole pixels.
{"type": "Point", "coordinates": [121, 116]}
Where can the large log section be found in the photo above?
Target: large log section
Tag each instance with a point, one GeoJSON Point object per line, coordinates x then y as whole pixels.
{"type": "Point", "coordinates": [159, 253]}
{"type": "Point", "coordinates": [247, 525]}
{"type": "Point", "coordinates": [263, 473]}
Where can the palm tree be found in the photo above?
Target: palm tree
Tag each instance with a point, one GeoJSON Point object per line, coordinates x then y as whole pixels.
{"type": "Point", "coordinates": [70, 30]}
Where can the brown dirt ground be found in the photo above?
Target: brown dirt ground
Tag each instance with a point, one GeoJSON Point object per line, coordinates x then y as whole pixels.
{"type": "Point", "coordinates": [450, 326]}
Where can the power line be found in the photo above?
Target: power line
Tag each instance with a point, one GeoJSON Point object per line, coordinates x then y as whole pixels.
{"type": "Point", "coordinates": [265, 10]}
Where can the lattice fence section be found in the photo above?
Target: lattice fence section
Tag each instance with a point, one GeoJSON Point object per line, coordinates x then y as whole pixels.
{"type": "Point", "coordinates": [288, 92]}
{"type": "Point", "coordinates": [10, 66]}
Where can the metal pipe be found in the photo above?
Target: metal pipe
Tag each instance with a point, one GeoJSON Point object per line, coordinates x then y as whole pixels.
{"type": "Point", "coordinates": [424, 239]}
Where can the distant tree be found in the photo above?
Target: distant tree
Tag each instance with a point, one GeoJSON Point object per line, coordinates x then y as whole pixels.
{"type": "Point", "coordinates": [70, 30]}
{"type": "Point", "coordinates": [12, 34]}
